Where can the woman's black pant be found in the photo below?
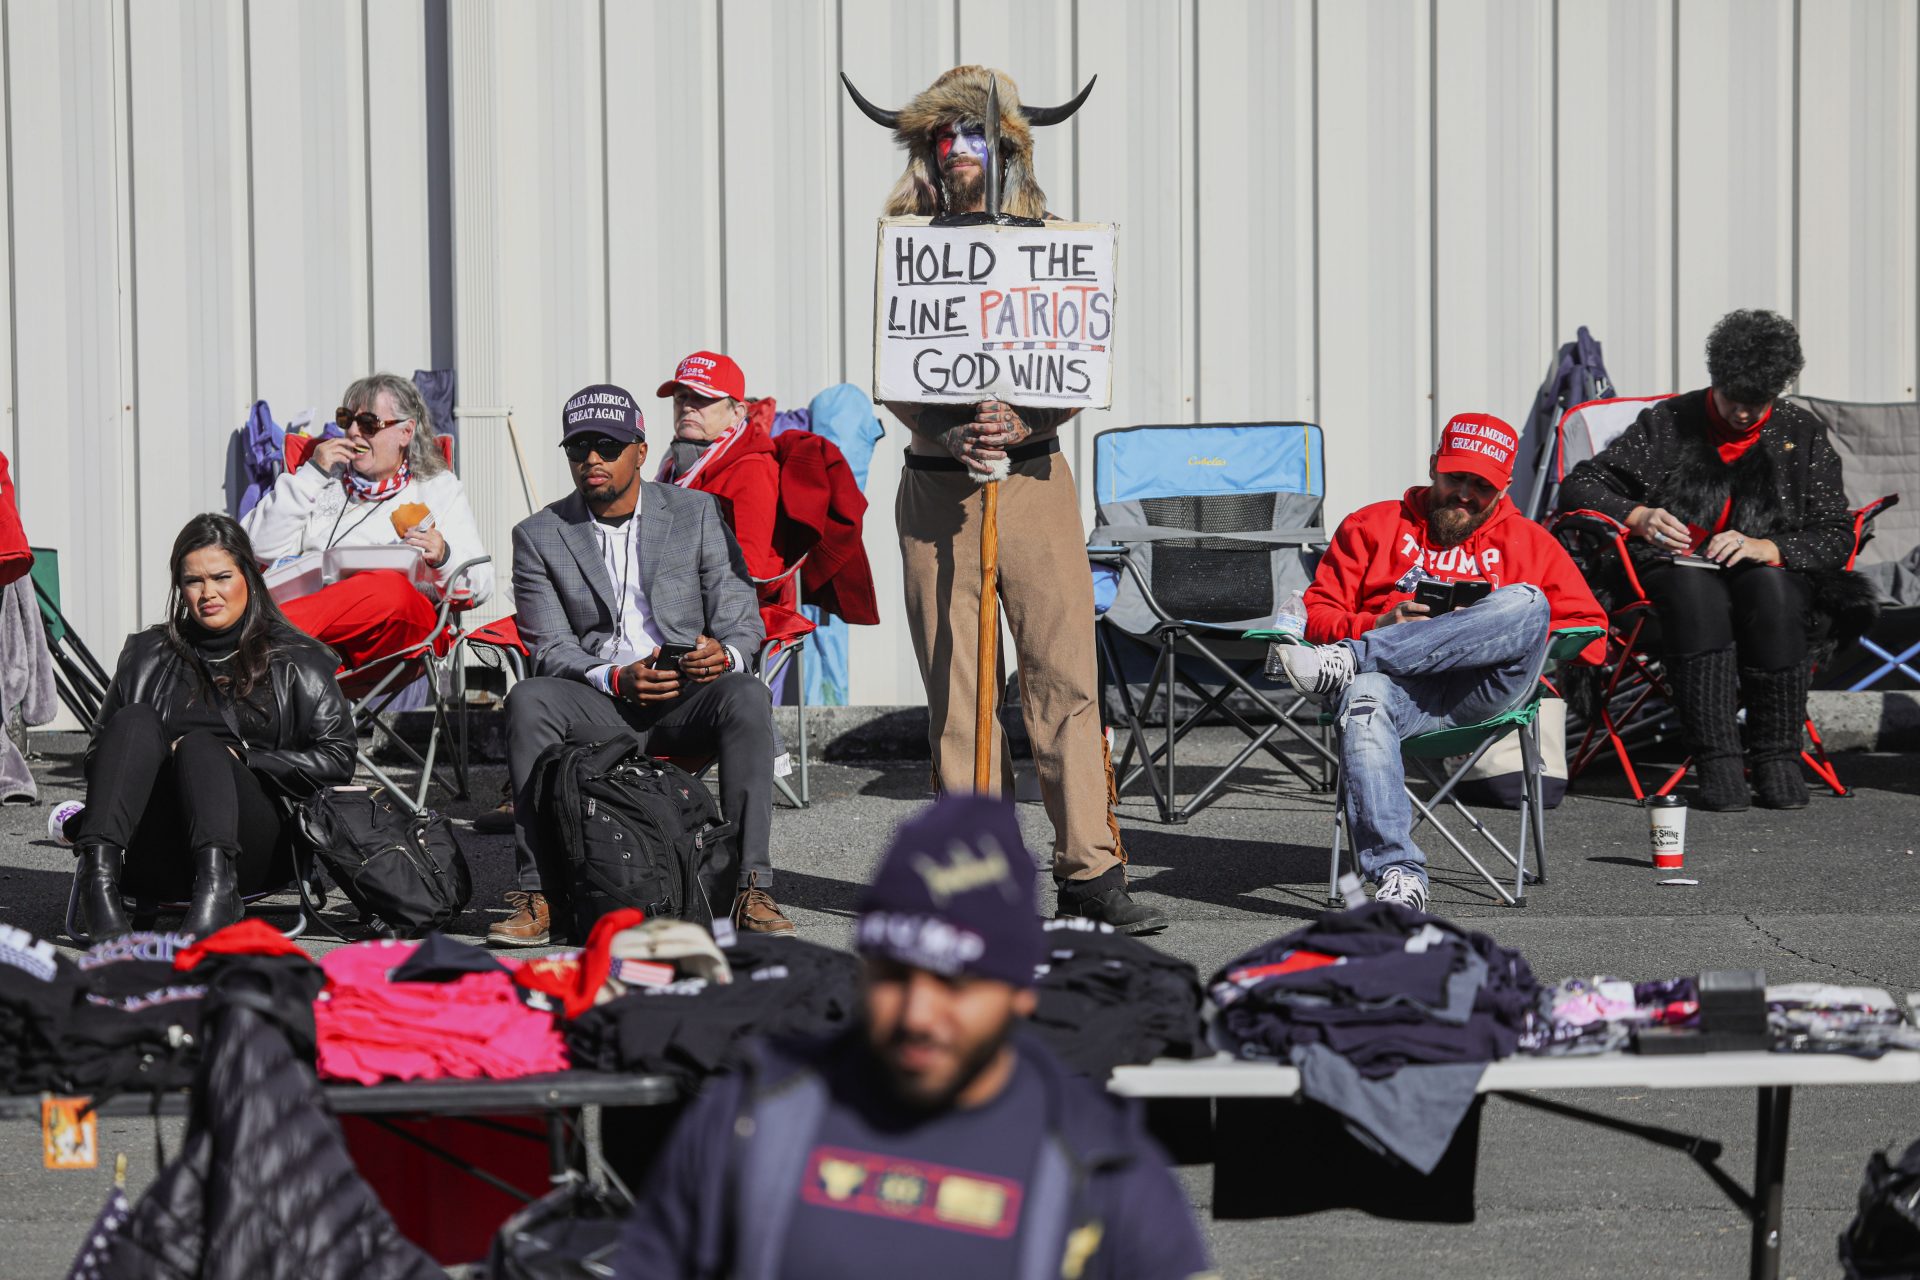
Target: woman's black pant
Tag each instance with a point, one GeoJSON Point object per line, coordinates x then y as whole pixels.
{"type": "Point", "coordinates": [161, 802]}
{"type": "Point", "coordinates": [1758, 609]}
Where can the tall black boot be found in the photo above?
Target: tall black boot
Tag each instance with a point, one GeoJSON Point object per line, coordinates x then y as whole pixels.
{"type": "Point", "coordinates": [1776, 716]}
{"type": "Point", "coordinates": [102, 914]}
{"type": "Point", "coordinates": [216, 891]}
{"type": "Point", "coordinates": [1706, 695]}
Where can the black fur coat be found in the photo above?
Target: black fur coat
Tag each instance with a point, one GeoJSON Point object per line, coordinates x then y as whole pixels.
{"type": "Point", "coordinates": [1786, 488]}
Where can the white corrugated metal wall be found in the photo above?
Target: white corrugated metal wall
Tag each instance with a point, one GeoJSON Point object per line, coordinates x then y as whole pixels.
{"type": "Point", "coordinates": [1369, 213]}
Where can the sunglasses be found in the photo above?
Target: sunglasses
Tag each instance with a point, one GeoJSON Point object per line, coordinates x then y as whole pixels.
{"type": "Point", "coordinates": [369, 423]}
{"type": "Point", "coordinates": [580, 448]}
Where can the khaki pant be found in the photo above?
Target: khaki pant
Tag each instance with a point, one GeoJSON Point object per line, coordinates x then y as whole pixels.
{"type": "Point", "coordinates": [1046, 595]}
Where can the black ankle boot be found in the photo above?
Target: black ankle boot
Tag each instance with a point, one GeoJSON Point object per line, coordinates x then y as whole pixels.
{"type": "Point", "coordinates": [216, 892]}
{"type": "Point", "coordinates": [1104, 898]}
{"type": "Point", "coordinates": [1776, 720]}
{"type": "Point", "coordinates": [1706, 694]}
{"type": "Point", "coordinates": [102, 914]}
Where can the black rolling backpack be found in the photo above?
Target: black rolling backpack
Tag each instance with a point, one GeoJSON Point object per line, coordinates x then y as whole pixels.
{"type": "Point", "coordinates": [626, 830]}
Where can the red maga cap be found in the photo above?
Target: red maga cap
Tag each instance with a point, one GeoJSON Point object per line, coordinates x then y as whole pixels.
{"type": "Point", "coordinates": [1478, 443]}
{"type": "Point", "coordinates": [707, 373]}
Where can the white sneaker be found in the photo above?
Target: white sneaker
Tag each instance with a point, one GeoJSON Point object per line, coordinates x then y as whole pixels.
{"type": "Point", "coordinates": [1318, 670]}
{"type": "Point", "coordinates": [1403, 887]}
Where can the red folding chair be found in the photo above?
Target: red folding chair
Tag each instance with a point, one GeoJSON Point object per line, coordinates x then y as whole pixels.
{"type": "Point", "coordinates": [1633, 705]}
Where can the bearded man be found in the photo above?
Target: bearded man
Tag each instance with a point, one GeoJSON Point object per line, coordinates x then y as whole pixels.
{"type": "Point", "coordinates": [1044, 586]}
{"type": "Point", "coordinates": [1392, 668]}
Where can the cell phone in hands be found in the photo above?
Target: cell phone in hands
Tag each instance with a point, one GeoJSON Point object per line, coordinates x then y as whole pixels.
{"type": "Point", "coordinates": [670, 657]}
{"type": "Point", "coordinates": [1445, 597]}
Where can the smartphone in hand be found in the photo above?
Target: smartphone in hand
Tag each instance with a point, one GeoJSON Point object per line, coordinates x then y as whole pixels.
{"type": "Point", "coordinates": [1445, 597]}
{"type": "Point", "coordinates": [670, 656]}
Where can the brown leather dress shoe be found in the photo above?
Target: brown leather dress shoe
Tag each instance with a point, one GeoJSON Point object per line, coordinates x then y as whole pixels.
{"type": "Point", "coordinates": [528, 926]}
{"type": "Point", "coordinates": [754, 911]}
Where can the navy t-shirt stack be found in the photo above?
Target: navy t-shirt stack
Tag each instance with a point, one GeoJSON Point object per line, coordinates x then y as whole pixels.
{"type": "Point", "coordinates": [1390, 1014]}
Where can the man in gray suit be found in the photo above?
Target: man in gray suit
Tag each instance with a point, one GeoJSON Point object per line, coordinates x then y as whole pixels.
{"type": "Point", "coordinates": [636, 606]}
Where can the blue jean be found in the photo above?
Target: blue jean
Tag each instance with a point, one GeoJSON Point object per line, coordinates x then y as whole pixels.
{"type": "Point", "coordinates": [1419, 677]}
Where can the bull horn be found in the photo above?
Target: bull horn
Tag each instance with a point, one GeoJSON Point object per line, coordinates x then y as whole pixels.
{"type": "Point", "coordinates": [885, 119]}
{"type": "Point", "coordinates": [1040, 115]}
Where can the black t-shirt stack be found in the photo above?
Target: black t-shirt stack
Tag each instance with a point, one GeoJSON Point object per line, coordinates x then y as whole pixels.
{"type": "Point", "coordinates": [780, 987]}
{"type": "Point", "coordinates": [37, 990]}
{"type": "Point", "coordinates": [135, 1023]}
{"type": "Point", "coordinates": [1107, 1000]}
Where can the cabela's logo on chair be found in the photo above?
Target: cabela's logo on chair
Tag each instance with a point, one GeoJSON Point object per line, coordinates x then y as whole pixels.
{"type": "Point", "coordinates": [1201, 460]}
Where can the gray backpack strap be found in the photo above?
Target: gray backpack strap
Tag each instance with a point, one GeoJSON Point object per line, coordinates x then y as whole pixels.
{"type": "Point", "coordinates": [775, 1134]}
{"type": "Point", "coordinates": [1048, 1213]}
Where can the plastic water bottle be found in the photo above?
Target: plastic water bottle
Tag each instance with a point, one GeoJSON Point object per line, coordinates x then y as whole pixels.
{"type": "Point", "coordinates": [1291, 623]}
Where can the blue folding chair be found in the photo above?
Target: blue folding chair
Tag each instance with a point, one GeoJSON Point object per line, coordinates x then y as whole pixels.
{"type": "Point", "coordinates": [1200, 532]}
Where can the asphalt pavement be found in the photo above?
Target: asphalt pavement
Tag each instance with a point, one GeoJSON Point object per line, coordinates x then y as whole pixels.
{"type": "Point", "coordinates": [1828, 893]}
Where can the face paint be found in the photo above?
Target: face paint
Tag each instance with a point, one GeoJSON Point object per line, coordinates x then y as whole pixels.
{"type": "Point", "coordinates": [971, 139]}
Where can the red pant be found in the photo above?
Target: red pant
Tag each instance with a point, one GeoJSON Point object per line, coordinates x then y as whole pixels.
{"type": "Point", "coordinates": [364, 616]}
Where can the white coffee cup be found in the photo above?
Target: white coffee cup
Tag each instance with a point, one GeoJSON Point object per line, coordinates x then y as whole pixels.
{"type": "Point", "coordinates": [1667, 817]}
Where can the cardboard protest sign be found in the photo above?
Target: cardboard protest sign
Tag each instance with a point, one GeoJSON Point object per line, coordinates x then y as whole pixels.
{"type": "Point", "coordinates": [1020, 314]}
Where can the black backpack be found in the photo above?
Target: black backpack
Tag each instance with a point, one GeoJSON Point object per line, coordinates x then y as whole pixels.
{"type": "Point", "coordinates": [1884, 1237]}
{"type": "Point", "coordinates": [628, 831]}
{"type": "Point", "coordinates": [404, 871]}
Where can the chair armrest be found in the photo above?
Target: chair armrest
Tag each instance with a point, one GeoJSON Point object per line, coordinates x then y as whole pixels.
{"type": "Point", "coordinates": [1863, 519]}
{"type": "Point", "coordinates": [1607, 529]}
{"type": "Point", "coordinates": [784, 576]}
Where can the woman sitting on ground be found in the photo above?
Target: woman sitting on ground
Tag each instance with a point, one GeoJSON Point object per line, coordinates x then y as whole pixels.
{"type": "Point", "coordinates": [377, 484]}
{"type": "Point", "coordinates": [1741, 536]}
{"type": "Point", "coordinates": [213, 718]}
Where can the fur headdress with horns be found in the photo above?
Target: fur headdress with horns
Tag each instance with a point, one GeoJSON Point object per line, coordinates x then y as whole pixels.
{"type": "Point", "coordinates": [961, 95]}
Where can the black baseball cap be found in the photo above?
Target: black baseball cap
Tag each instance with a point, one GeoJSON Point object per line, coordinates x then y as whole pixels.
{"type": "Point", "coordinates": [602, 410]}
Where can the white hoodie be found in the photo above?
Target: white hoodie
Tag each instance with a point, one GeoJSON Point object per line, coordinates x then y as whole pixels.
{"type": "Point", "coordinates": [307, 510]}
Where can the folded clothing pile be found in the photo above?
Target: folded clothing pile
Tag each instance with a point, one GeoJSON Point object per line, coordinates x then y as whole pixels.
{"type": "Point", "coordinates": [1816, 1017]}
{"type": "Point", "coordinates": [429, 1010]}
{"type": "Point", "coordinates": [116, 1018]}
{"type": "Point", "coordinates": [687, 1028]}
{"type": "Point", "coordinates": [1390, 1014]}
{"type": "Point", "coordinates": [1578, 1016]}
{"type": "Point", "coordinates": [38, 986]}
{"type": "Point", "coordinates": [1107, 1000]}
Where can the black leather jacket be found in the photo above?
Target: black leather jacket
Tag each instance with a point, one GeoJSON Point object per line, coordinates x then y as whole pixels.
{"type": "Point", "coordinates": [316, 742]}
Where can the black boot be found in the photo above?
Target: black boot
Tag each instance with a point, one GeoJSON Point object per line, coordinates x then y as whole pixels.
{"type": "Point", "coordinates": [1776, 717]}
{"type": "Point", "coordinates": [1104, 898]}
{"type": "Point", "coordinates": [1706, 695]}
{"type": "Point", "coordinates": [102, 914]}
{"type": "Point", "coordinates": [216, 891]}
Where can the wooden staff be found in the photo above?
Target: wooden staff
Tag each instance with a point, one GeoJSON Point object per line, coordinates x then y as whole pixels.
{"type": "Point", "coordinates": [984, 673]}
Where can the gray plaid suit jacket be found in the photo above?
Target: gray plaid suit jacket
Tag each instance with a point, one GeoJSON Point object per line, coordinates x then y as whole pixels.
{"type": "Point", "coordinates": [690, 567]}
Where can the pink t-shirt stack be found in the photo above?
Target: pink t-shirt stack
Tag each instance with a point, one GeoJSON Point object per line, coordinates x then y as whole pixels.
{"type": "Point", "coordinates": [474, 1027]}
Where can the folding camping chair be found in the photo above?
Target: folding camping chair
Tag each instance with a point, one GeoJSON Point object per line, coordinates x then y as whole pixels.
{"type": "Point", "coordinates": [1582, 432]}
{"type": "Point", "coordinates": [1471, 742]}
{"type": "Point", "coordinates": [784, 651]}
{"type": "Point", "coordinates": [1879, 448]}
{"type": "Point", "coordinates": [78, 677]}
{"type": "Point", "coordinates": [438, 660]}
{"type": "Point", "coordinates": [1200, 532]}
{"type": "Point", "coordinates": [1633, 706]}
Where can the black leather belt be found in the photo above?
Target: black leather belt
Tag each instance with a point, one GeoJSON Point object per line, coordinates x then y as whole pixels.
{"type": "Point", "coordinates": [1015, 456]}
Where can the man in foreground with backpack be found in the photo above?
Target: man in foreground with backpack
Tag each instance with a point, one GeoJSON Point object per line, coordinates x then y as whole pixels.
{"type": "Point", "coordinates": [637, 609]}
{"type": "Point", "coordinates": [936, 1139]}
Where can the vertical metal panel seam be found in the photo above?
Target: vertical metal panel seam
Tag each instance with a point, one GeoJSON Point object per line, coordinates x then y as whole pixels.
{"type": "Point", "coordinates": [1192, 97]}
{"type": "Point", "coordinates": [253, 272]}
{"type": "Point", "coordinates": [1073, 81]}
{"type": "Point", "coordinates": [1793, 234]}
{"type": "Point", "coordinates": [1553, 161]}
{"type": "Point", "coordinates": [130, 310]}
{"type": "Point", "coordinates": [1673, 198]}
{"type": "Point", "coordinates": [1915, 372]}
{"type": "Point", "coordinates": [840, 167]}
{"type": "Point", "coordinates": [13, 274]}
{"type": "Point", "coordinates": [1433, 222]}
{"type": "Point", "coordinates": [720, 152]}
{"type": "Point", "coordinates": [1313, 128]}
{"type": "Point", "coordinates": [366, 162]}
{"type": "Point", "coordinates": [606, 212]}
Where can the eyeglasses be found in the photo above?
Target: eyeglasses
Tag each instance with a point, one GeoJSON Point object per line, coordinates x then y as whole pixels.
{"type": "Point", "coordinates": [369, 423]}
{"type": "Point", "coordinates": [580, 448]}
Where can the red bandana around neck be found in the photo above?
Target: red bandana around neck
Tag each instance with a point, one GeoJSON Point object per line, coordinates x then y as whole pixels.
{"type": "Point", "coordinates": [361, 489]}
{"type": "Point", "coordinates": [1728, 440]}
